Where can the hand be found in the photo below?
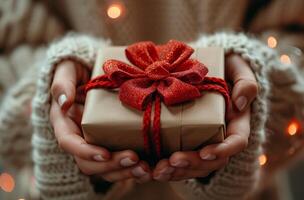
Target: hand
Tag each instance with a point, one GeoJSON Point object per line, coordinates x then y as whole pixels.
{"type": "Point", "coordinates": [66, 113]}
{"type": "Point", "coordinates": [192, 164]}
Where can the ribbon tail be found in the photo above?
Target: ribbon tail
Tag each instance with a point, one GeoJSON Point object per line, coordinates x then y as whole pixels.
{"type": "Point", "coordinates": [156, 126]}
{"type": "Point", "coordinates": [146, 127]}
{"type": "Point", "coordinates": [156, 137]}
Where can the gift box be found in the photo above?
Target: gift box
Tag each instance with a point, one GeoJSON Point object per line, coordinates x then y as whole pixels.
{"type": "Point", "coordinates": [110, 123]}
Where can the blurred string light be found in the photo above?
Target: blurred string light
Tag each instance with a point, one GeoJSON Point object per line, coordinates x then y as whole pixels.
{"type": "Point", "coordinates": [272, 42]}
{"type": "Point", "coordinates": [285, 59]}
{"type": "Point", "coordinates": [293, 128]}
{"type": "Point", "coordinates": [114, 10]}
{"type": "Point", "coordinates": [7, 182]}
{"type": "Point", "coordinates": [262, 159]}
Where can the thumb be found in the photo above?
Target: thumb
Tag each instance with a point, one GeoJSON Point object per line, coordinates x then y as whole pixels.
{"type": "Point", "coordinates": [63, 88]}
{"type": "Point", "coordinates": [245, 87]}
{"type": "Point", "coordinates": [243, 93]}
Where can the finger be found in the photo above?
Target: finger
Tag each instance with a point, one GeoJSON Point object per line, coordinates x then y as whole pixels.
{"type": "Point", "coordinates": [163, 171]}
{"type": "Point", "coordinates": [63, 87]}
{"type": "Point", "coordinates": [119, 160]}
{"type": "Point", "coordinates": [238, 131]}
{"type": "Point", "coordinates": [69, 137]}
{"type": "Point", "coordinates": [75, 113]}
{"type": "Point", "coordinates": [183, 173]}
{"type": "Point", "coordinates": [139, 175]}
{"type": "Point", "coordinates": [141, 172]}
{"type": "Point", "coordinates": [192, 161]}
{"type": "Point", "coordinates": [245, 87]}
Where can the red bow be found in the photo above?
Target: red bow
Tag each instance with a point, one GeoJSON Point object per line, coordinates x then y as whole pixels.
{"type": "Point", "coordinates": [160, 72]}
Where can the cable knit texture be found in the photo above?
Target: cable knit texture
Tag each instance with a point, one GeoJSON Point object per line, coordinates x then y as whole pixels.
{"type": "Point", "coordinates": [58, 176]}
{"type": "Point", "coordinates": [27, 21]}
{"type": "Point", "coordinates": [16, 107]}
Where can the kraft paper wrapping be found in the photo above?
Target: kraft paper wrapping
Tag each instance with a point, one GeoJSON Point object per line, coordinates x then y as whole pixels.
{"type": "Point", "coordinates": [107, 122]}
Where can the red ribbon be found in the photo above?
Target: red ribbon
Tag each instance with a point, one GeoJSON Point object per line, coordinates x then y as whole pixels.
{"type": "Point", "coordinates": [161, 73]}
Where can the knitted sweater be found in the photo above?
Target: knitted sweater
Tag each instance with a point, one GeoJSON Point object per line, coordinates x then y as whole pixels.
{"type": "Point", "coordinates": [58, 175]}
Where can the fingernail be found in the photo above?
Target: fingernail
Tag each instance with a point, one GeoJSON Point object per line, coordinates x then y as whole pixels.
{"type": "Point", "coordinates": [162, 177]}
{"type": "Point", "coordinates": [99, 158]}
{"type": "Point", "coordinates": [241, 103]}
{"type": "Point", "coordinates": [127, 162]}
{"type": "Point", "coordinates": [62, 99]}
{"type": "Point", "coordinates": [167, 170]}
{"type": "Point", "coordinates": [180, 163]}
{"type": "Point", "coordinates": [139, 171]}
{"type": "Point", "coordinates": [208, 157]}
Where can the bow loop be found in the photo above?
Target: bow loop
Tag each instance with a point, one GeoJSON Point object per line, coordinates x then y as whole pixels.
{"type": "Point", "coordinates": [191, 71]}
{"type": "Point", "coordinates": [119, 72]}
{"type": "Point", "coordinates": [142, 54]}
{"type": "Point", "coordinates": [175, 53]}
{"type": "Point", "coordinates": [175, 91]}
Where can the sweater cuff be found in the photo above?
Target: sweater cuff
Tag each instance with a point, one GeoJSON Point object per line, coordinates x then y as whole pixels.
{"type": "Point", "coordinates": [79, 48]}
{"type": "Point", "coordinates": [239, 176]}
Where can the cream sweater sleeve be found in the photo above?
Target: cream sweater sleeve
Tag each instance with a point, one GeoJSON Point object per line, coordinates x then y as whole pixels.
{"type": "Point", "coordinates": [58, 177]}
{"type": "Point", "coordinates": [238, 177]}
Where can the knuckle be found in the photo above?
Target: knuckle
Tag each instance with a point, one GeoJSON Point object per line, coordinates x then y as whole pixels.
{"type": "Point", "coordinates": [56, 88]}
{"type": "Point", "coordinates": [178, 155]}
{"type": "Point", "coordinates": [243, 141]}
{"type": "Point", "coordinates": [252, 87]}
{"type": "Point", "coordinates": [128, 153]}
{"type": "Point", "coordinates": [247, 85]}
{"type": "Point", "coordinates": [238, 143]}
{"type": "Point", "coordinates": [63, 141]}
{"type": "Point", "coordinates": [86, 170]}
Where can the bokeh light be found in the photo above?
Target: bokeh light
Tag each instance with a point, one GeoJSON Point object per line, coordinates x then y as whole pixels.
{"type": "Point", "coordinates": [285, 59]}
{"type": "Point", "coordinates": [114, 11]}
{"type": "Point", "coordinates": [263, 159]}
{"type": "Point", "coordinates": [272, 42]}
{"type": "Point", "coordinates": [7, 182]}
{"type": "Point", "coordinates": [292, 128]}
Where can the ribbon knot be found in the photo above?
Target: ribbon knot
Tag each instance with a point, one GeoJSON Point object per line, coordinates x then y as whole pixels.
{"type": "Point", "coordinates": [158, 70]}
{"type": "Point", "coordinates": [160, 73]}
